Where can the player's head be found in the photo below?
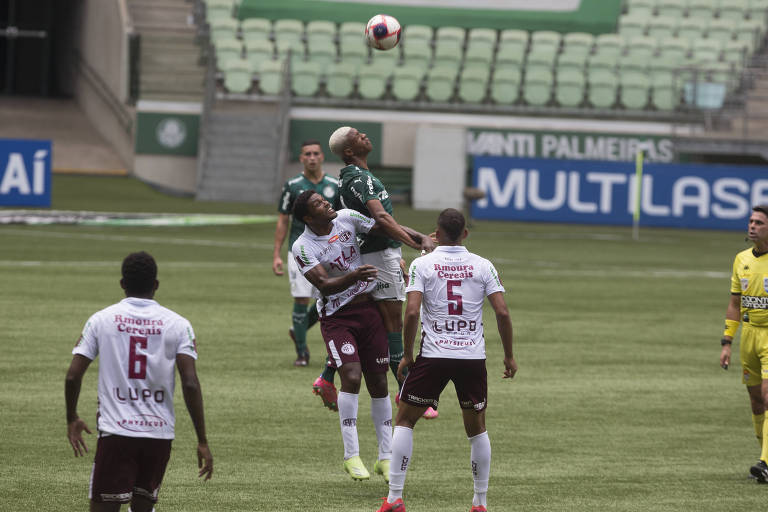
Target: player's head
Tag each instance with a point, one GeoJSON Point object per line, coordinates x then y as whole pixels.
{"type": "Point", "coordinates": [310, 207]}
{"type": "Point", "coordinates": [139, 275]}
{"type": "Point", "coordinates": [348, 143]}
{"type": "Point", "coordinates": [758, 224]}
{"type": "Point", "coordinates": [311, 155]}
{"type": "Point", "coordinates": [451, 227]}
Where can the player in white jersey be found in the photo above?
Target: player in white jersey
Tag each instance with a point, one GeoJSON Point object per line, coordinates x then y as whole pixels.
{"type": "Point", "coordinates": [448, 287]}
{"type": "Point", "coordinates": [328, 255]}
{"type": "Point", "coordinates": [139, 344]}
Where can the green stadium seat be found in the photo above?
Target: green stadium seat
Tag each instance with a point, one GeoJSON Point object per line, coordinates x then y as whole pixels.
{"type": "Point", "coordinates": [569, 91]}
{"type": "Point", "coordinates": [751, 32]}
{"type": "Point", "coordinates": [546, 40]}
{"type": "Point", "coordinates": [257, 51]}
{"type": "Point", "coordinates": [704, 9]}
{"type": "Point", "coordinates": [237, 75]}
{"type": "Point", "coordinates": [674, 48]}
{"type": "Point", "coordinates": [664, 94]}
{"type": "Point", "coordinates": [757, 9]}
{"type": "Point", "coordinates": [406, 82]}
{"type": "Point", "coordinates": [385, 60]}
{"type": "Point", "coordinates": [321, 30]}
{"type": "Point", "coordinates": [351, 33]}
{"type": "Point", "coordinates": [641, 7]}
{"type": "Point", "coordinates": [578, 42]}
{"type": "Point", "coordinates": [641, 47]}
{"type": "Point", "coordinates": [603, 87]}
{"type": "Point", "coordinates": [447, 52]}
{"type": "Point", "coordinates": [540, 60]}
{"type": "Point", "coordinates": [514, 39]}
{"type": "Point", "coordinates": [632, 26]}
{"type": "Point", "coordinates": [634, 92]}
{"type": "Point", "coordinates": [505, 85]}
{"type": "Point", "coordinates": [354, 54]}
{"type": "Point", "coordinates": [612, 44]}
{"type": "Point", "coordinates": [706, 50]}
{"type": "Point", "coordinates": [736, 53]}
{"type": "Point", "coordinates": [305, 78]}
{"type": "Point", "coordinates": [440, 83]}
{"type": "Point", "coordinates": [722, 30]}
{"type": "Point", "coordinates": [258, 29]}
{"type": "Point", "coordinates": [478, 52]}
{"type": "Point", "coordinates": [271, 76]}
{"type": "Point", "coordinates": [295, 48]}
{"type": "Point", "coordinates": [416, 33]}
{"type": "Point", "coordinates": [473, 84]}
{"type": "Point", "coordinates": [486, 35]}
{"type": "Point", "coordinates": [603, 61]}
{"type": "Point", "coordinates": [340, 80]}
{"type": "Point", "coordinates": [450, 34]}
{"type": "Point", "coordinates": [662, 27]}
{"type": "Point", "coordinates": [571, 61]}
{"type": "Point", "coordinates": [735, 10]}
{"type": "Point", "coordinates": [323, 54]}
{"type": "Point", "coordinates": [671, 8]}
{"type": "Point", "coordinates": [227, 50]}
{"type": "Point", "coordinates": [288, 29]}
{"type": "Point", "coordinates": [222, 28]}
{"type": "Point", "coordinates": [417, 53]}
{"type": "Point", "coordinates": [537, 87]}
{"type": "Point", "coordinates": [513, 56]}
{"type": "Point", "coordinates": [636, 67]}
{"type": "Point", "coordinates": [692, 29]}
{"type": "Point", "coordinates": [218, 9]}
{"type": "Point", "coordinates": [372, 81]}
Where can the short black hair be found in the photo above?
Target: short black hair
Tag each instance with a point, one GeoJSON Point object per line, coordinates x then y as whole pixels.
{"type": "Point", "coordinates": [311, 142]}
{"type": "Point", "coordinates": [301, 206]}
{"type": "Point", "coordinates": [139, 273]}
{"type": "Point", "coordinates": [452, 222]}
{"type": "Point", "coordinates": [762, 208]}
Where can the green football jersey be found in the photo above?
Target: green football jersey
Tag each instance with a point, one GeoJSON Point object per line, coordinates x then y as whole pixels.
{"type": "Point", "coordinates": [357, 187]}
{"type": "Point", "coordinates": [328, 187]}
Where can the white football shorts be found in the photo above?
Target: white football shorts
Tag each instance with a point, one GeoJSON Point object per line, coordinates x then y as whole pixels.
{"type": "Point", "coordinates": [300, 287]}
{"type": "Point", "coordinates": [390, 284]}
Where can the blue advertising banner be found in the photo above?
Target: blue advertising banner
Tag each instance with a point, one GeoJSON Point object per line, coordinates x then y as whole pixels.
{"type": "Point", "coordinates": [25, 172]}
{"type": "Point", "coordinates": [595, 192]}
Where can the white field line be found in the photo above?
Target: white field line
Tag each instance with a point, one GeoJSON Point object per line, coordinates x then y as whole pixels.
{"type": "Point", "coordinates": [128, 238]}
{"type": "Point", "coordinates": [551, 268]}
{"type": "Point", "coordinates": [105, 264]}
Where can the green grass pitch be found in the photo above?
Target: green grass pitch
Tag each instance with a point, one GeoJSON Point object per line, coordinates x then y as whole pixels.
{"type": "Point", "coordinates": [619, 403]}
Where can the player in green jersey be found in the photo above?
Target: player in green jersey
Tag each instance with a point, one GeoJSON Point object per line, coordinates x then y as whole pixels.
{"type": "Point", "coordinates": [304, 315]}
{"type": "Point", "coordinates": [748, 307]}
{"type": "Point", "coordinates": [362, 191]}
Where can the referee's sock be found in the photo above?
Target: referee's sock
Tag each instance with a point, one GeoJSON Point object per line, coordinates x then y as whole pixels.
{"type": "Point", "coordinates": [299, 319]}
{"type": "Point", "coordinates": [395, 340]}
{"type": "Point", "coordinates": [758, 420]}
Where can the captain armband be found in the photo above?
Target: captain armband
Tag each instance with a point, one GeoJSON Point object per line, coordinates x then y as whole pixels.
{"type": "Point", "coordinates": [731, 326]}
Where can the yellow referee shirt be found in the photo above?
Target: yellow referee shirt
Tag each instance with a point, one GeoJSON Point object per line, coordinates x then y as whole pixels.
{"type": "Point", "coordinates": [750, 279]}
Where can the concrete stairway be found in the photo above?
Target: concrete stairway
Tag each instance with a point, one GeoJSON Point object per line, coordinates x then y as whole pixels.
{"type": "Point", "coordinates": [169, 63]}
{"type": "Point", "coordinates": [239, 153]}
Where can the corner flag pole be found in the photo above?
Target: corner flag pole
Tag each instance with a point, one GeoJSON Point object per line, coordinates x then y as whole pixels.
{"type": "Point", "coordinates": [638, 189]}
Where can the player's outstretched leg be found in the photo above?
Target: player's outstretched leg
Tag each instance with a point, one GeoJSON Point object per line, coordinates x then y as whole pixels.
{"type": "Point", "coordinates": [324, 388]}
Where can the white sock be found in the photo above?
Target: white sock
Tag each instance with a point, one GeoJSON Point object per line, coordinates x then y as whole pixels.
{"type": "Point", "coordinates": [480, 456]}
{"type": "Point", "coordinates": [381, 414]}
{"type": "Point", "coordinates": [347, 404]}
{"type": "Point", "coordinates": [402, 447]}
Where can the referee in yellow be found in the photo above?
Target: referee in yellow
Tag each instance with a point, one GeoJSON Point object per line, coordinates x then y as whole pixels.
{"type": "Point", "coordinates": [749, 306]}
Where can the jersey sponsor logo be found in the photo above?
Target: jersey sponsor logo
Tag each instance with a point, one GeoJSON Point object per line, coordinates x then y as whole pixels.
{"type": "Point", "coordinates": [460, 326]}
{"type": "Point", "coordinates": [333, 239]}
{"type": "Point", "coordinates": [454, 271]}
{"type": "Point", "coordinates": [141, 326]}
{"type": "Point", "coordinates": [136, 394]}
{"type": "Point", "coordinates": [382, 360]}
{"type": "Point", "coordinates": [345, 236]}
{"type": "Point", "coordinates": [348, 349]}
{"type": "Point", "coordinates": [744, 283]}
{"type": "Point", "coordinates": [752, 302]}
{"type": "Point", "coordinates": [342, 262]}
{"type": "Point", "coordinates": [356, 215]}
{"type": "Point", "coordinates": [370, 185]}
{"type": "Point", "coordinates": [142, 423]}
{"type": "Point", "coordinates": [422, 401]}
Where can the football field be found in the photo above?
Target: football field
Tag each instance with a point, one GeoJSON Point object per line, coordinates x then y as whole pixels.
{"type": "Point", "coordinates": [619, 403]}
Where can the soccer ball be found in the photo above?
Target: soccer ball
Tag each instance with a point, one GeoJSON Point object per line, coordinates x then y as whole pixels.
{"type": "Point", "coordinates": [382, 32]}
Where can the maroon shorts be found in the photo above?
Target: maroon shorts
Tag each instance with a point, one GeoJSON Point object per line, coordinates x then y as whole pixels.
{"type": "Point", "coordinates": [356, 333]}
{"type": "Point", "coordinates": [428, 376]}
{"type": "Point", "coordinates": [127, 465]}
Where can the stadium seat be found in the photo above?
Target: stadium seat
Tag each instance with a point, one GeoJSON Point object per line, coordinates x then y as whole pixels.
{"type": "Point", "coordinates": [258, 29]}
{"type": "Point", "coordinates": [674, 48]}
{"type": "Point", "coordinates": [706, 50]}
{"type": "Point", "coordinates": [322, 53]}
{"type": "Point", "coordinates": [222, 28]}
{"type": "Point", "coordinates": [757, 9]}
{"type": "Point", "coordinates": [546, 40]}
{"type": "Point", "coordinates": [662, 27]}
{"type": "Point", "coordinates": [634, 68]}
{"type": "Point", "coordinates": [664, 95]}
{"type": "Point", "coordinates": [257, 51]}
{"type": "Point", "coordinates": [671, 8]}
{"type": "Point", "coordinates": [354, 54]}
{"type": "Point", "coordinates": [603, 86]}
{"type": "Point", "coordinates": [473, 84]}
{"type": "Point", "coordinates": [641, 7]}
{"type": "Point", "coordinates": [505, 86]}
{"type": "Point", "coordinates": [641, 47]}
{"type": "Point", "coordinates": [218, 9]}
{"type": "Point", "coordinates": [226, 50]}
{"type": "Point", "coordinates": [305, 78]}
{"type": "Point", "coordinates": [736, 53]}
{"type": "Point", "coordinates": [568, 60]}
{"type": "Point", "coordinates": [414, 33]}
{"type": "Point", "coordinates": [351, 33]}
{"type": "Point", "coordinates": [450, 34]}
{"type": "Point", "coordinates": [295, 48]}
{"type": "Point", "coordinates": [320, 32]}
{"type": "Point", "coordinates": [512, 56]}
{"type": "Point", "coordinates": [271, 76]}
{"type": "Point", "coordinates": [722, 30]}
{"type": "Point", "coordinates": [513, 39]}
{"type": "Point", "coordinates": [288, 29]}
{"type": "Point", "coordinates": [750, 31]}
{"type": "Point", "coordinates": [484, 35]}
{"type": "Point", "coordinates": [704, 9]}
{"type": "Point", "coordinates": [447, 53]}
{"type": "Point", "coordinates": [634, 92]}
{"type": "Point", "coordinates": [603, 61]}
{"type": "Point", "coordinates": [612, 44]}
{"type": "Point", "coordinates": [578, 43]}
{"type": "Point", "coordinates": [385, 60]}
{"type": "Point", "coordinates": [417, 53]}
{"type": "Point", "coordinates": [692, 29]}
{"type": "Point", "coordinates": [372, 81]}
{"type": "Point", "coordinates": [735, 10]}
{"type": "Point", "coordinates": [340, 80]}
{"type": "Point", "coordinates": [406, 82]}
{"type": "Point", "coordinates": [632, 26]}
{"type": "Point", "coordinates": [537, 87]}
{"type": "Point", "coordinates": [478, 52]}
{"type": "Point", "coordinates": [237, 75]}
{"type": "Point", "coordinates": [569, 91]}
{"type": "Point", "coordinates": [440, 83]}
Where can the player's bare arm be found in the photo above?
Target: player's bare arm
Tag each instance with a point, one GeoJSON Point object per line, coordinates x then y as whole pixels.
{"type": "Point", "coordinates": [72, 384]}
{"type": "Point", "coordinates": [281, 230]}
{"type": "Point", "coordinates": [387, 225]}
{"type": "Point", "coordinates": [410, 328]}
{"type": "Point", "coordinates": [504, 324]}
{"type": "Point", "coordinates": [330, 285]}
{"type": "Point", "coordinates": [193, 398]}
{"type": "Point", "coordinates": [733, 312]}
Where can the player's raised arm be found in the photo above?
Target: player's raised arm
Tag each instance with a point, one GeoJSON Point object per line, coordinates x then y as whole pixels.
{"type": "Point", "coordinates": [504, 324]}
{"type": "Point", "coordinates": [387, 225]}
{"type": "Point", "coordinates": [193, 398]}
{"type": "Point", "coordinates": [330, 285]}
